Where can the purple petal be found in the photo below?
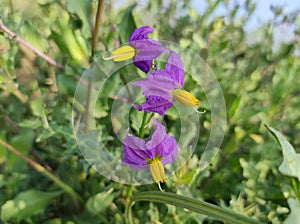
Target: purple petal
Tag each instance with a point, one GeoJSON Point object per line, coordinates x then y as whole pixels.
{"type": "Point", "coordinates": [157, 84]}
{"type": "Point", "coordinates": [135, 152]}
{"type": "Point", "coordinates": [176, 68]}
{"type": "Point", "coordinates": [137, 144]}
{"type": "Point", "coordinates": [157, 136]}
{"type": "Point", "coordinates": [133, 156]}
{"type": "Point", "coordinates": [157, 89]}
{"type": "Point", "coordinates": [156, 106]}
{"type": "Point", "coordinates": [160, 144]}
{"type": "Point", "coordinates": [169, 150]}
{"type": "Point", "coordinates": [134, 142]}
{"type": "Point", "coordinates": [147, 50]}
{"type": "Point", "coordinates": [141, 33]}
{"type": "Point", "coordinates": [165, 77]}
{"type": "Point", "coordinates": [145, 66]}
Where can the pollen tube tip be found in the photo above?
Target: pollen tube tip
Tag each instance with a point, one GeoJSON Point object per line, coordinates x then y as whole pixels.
{"type": "Point", "coordinates": [200, 112]}
{"type": "Point", "coordinates": [160, 187]}
{"type": "Point", "coordinates": [107, 58]}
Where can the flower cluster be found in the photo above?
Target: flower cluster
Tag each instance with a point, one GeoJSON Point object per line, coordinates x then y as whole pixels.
{"type": "Point", "coordinates": [161, 88]}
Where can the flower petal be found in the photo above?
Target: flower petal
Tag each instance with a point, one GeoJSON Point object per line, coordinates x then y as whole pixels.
{"type": "Point", "coordinates": [156, 106]}
{"type": "Point", "coordinates": [146, 50]}
{"type": "Point", "coordinates": [157, 84]}
{"type": "Point", "coordinates": [135, 153]}
{"type": "Point", "coordinates": [145, 66]}
{"type": "Point", "coordinates": [158, 135]}
{"type": "Point", "coordinates": [157, 88]}
{"type": "Point", "coordinates": [169, 150]}
{"type": "Point", "coordinates": [176, 68]}
{"type": "Point", "coordinates": [141, 33]}
{"type": "Point", "coordinates": [133, 156]}
{"type": "Point", "coordinates": [160, 144]}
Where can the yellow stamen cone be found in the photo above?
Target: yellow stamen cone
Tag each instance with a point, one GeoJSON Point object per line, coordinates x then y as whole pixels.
{"type": "Point", "coordinates": [185, 98]}
{"type": "Point", "coordinates": [123, 53]}
{"type": "Point", "coordinates": [158, 171]}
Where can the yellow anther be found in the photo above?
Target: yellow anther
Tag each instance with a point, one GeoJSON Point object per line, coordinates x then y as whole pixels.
{"type": "Point", "coordinates": [157, 170]}
{"type": "Point", "coordinates": [185, 98]}
{"type": "Point", "coordinates": [122, 54]}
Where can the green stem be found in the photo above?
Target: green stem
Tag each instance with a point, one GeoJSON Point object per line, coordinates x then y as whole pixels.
{"type": "Point", "coordinates": [128, 213]}
{"type": "Point", "coordinates": [296, 186]}
{"type": "Point", "coordinates": [218, 213]}
{"type": "Point", "coordinates": [149, 119]}
{"type": "Point", "coordinates": [142, 128]}
{"type": "Point", "coordinates": [129, 192]}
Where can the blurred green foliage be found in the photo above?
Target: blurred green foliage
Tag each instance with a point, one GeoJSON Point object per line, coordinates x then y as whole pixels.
{"type": "Point", "coordinates": [260, 85]}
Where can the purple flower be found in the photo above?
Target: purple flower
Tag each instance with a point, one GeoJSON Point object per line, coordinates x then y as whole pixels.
{"type": "Point", "coordinates": [141, 48]}
{"type": "Point", "coordinates": [157, 86]}
{"type": "Point", "coordinates": [162, 87]}
{"type": "Point", "coordinates": [153, 154]}
{"type": "Point", "coordinates": [146, 48]}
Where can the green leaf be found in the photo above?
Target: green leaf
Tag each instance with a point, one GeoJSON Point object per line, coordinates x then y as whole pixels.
{"type": "Point", "coordinates": [33, 123]}
{"type": "Point", "coordinates": [294, 215]}
{"type": "Point", "coordinates": [2, 183]}
{"type": "Point", "coordinates": [23, 142]}
{"type": "Point", "coordinates": [82, 9]}
{"type": "Point", "coordinates": [99, 202]}
{"type": "Point", "coordinates": [37, 107]}
{"type": "Point", "coordinates": [45, 135]}
{"type": "Point", "coordinates": [291, 160]}
{"type": "Point", "coordinates": [25, 204]}
{"type": "Point", "coordinates": [192, 204]}
{"type": "Point", "coordinates": [127, 25]}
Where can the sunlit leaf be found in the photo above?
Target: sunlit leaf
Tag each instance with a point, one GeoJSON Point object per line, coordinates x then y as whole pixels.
{"type": "Point", "coordinates": [291, 160]}
{"type": "Point", "coordinates": [99, 202]}
{"type": "Point", "coordinates": [25, 204]}
{"type": "Point", "coordinates": [82, 9]}
{"type": "Point", "coordinates": [44, 135]}
{"type": "Point", "coordinates": [33, 124]}
{"type": "Point", "coordinates": [126, 25]}
{"type": "Point", "coordinates": [23, 142]}
{"type": "Point", "coordinates": [37, 107]}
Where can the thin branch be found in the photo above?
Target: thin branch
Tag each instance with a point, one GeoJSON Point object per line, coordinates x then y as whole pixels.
{"type": "Point", "coordinates": [24, 42]}
{"type": "Point", "coordinates": [44, 171]}
{"type": "Point", "coordinates": [96, 27]}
